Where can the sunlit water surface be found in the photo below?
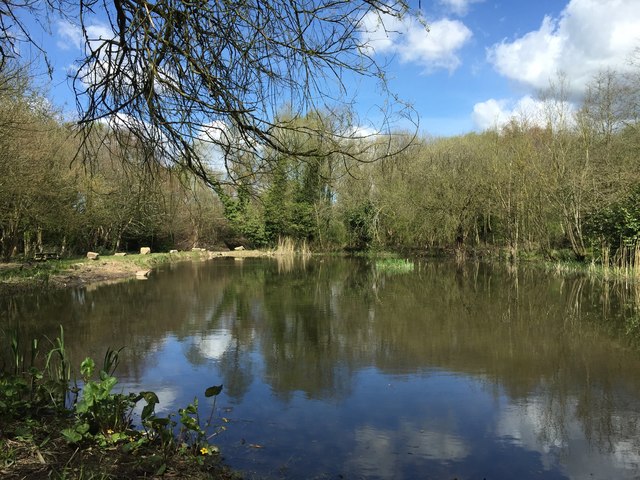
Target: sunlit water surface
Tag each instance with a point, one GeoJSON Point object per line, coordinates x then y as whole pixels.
{"type": "Point", "coordinates": [334, 368]}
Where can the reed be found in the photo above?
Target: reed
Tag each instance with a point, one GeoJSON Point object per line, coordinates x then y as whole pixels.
{"type": "Point", "coordinates": [286, 246]}
{"type": "Point", "coordinates": [289, 246]}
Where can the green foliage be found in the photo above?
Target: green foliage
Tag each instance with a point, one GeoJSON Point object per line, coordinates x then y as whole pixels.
{"type": "Point", "coordinates": [31, 387]}
{"type": "Point", "coordinates": [360, 222]}
{"type": "Point", "coordinates": [616, 224]}
{"type": "Point", "coordinates": [99, 419]}
{"type": "Point", "coordinates": [99, 411]}
{"type": "Point", "coordinates": [105, 418]}
{"type": "Point", "coordinates": [106, 201]}
{"type": "Point", "coordinates": [521, 188]}
{"type": "Point", "coordinates": [294, 198]}
{"type": "Point", "coordinates": [394, 265]}
{"type": "Point", "coordinates": [192, 438]}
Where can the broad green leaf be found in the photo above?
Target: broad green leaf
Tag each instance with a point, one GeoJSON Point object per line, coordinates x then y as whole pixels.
{"type": "Point", "coordinates": [213, 391]}
{"type": "Point", "coordinates": [71, 435]}
{"type": "Point", "coordinates": [150, 397]}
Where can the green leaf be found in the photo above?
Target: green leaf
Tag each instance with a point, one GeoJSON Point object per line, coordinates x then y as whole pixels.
{"type": "Point", "coordinates": [87, 367]}
{"type": "Point", "coordinates": [71, 435]}
{"type": "Point", "coordinates": [83, 428]}
{"type": "Point", "coordinates": [150, 397]}
{"type": "Point", "coordinates": [148, 411]}
{"type": "Point", "coordinates": [213, 391]}
{"type": "Point", "coordinates": [190, 409]}
{"type": "Point", "coordinates": [116, 437]}
{"type": "Point", "coordinates": [160, 421]}
{"type": "Point", "coordinates": [161, 470]}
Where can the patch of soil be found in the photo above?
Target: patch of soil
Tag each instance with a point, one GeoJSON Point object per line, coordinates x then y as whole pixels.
{"type": "Point", "coordinates": [93, 272]}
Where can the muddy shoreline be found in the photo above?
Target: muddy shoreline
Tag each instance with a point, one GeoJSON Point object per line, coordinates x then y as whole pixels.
{"type": "Point", "coordinates": [18, 278]}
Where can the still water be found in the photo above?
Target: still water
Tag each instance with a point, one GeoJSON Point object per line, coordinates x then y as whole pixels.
{"type": "Point", "coordinates": [333, 368]}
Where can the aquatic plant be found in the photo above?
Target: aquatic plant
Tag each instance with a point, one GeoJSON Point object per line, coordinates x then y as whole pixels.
{"type": "Point", "coordinates": [289, 246]}
{"type": "Point", "coordinates": [393, 265]}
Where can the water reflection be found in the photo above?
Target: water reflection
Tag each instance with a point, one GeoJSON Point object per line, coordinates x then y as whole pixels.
{"type": "Point", "coordinates": [528, 425]}
{"type": "Point", "coordinates": [341, 369]}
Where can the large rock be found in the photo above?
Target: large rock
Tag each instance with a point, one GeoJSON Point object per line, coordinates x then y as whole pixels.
{"type": "Point", "coordinates": [93, 255]}
{"type": "Point", "coordinates": [142, 274]}
{"type": "Point", "coordinates": [173, 251]}
{"type": "Point", "coordinates": [145, 251]}
{"type": "Point", "coordinates": [121, 254]}
{"type": "Point", "coordinates": [239, 249]}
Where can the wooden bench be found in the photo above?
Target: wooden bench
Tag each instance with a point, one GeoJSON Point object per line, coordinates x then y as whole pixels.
{"type": "Point", "coordinates": [44, 256]}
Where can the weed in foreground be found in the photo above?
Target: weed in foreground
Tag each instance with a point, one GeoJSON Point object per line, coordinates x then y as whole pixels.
{"type": "Point", "coordinates": [46, 432]}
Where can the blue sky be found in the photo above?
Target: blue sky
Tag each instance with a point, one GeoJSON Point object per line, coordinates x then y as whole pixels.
{"type": "Point", "coordinates": [486, 60]}
{"type": "Point", "coordinates": [481, 62]}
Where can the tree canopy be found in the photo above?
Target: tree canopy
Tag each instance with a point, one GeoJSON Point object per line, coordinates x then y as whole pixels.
{"type": "Point", "coordinates": [178, 74]}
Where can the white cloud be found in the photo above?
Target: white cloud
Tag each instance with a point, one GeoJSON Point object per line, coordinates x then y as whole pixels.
{"type": "Point", "coordinates": [495, 113]}
{"type": "Point", "coordinates": [70, 35]}
{"type": "Point", "coordinates": [490, 114]}
{"type": "Point", "coordinates": [459, 7]}
{"type": "Point", "coordinates": [438, 48]}
{"type": "Point", "coordinates": [378, 31]}
{"type": "Point", "coordinates": [216, 131]}
{"type": "Point", "coordinates": [361, 132]}
{"type": "Point", "coordinates": [434, 47]}
{"type": "Point", "coordinates": [589, 36]}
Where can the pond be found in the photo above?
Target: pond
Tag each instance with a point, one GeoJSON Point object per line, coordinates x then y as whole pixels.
{"type": "Point", "coordinates": [337, 368]}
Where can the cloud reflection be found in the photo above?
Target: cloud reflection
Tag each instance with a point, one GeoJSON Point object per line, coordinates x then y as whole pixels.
{"type": "Point", "coordinates": [557, 434]}
{"type": "Point", "coordinates": [214, 345]}
{"type": "Point", "coordinates": [382, 453]}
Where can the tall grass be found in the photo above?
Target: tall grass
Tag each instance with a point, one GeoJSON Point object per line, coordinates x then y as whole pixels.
{"type": "Point", "coordinates": [289, 246]}
{"type": "Point", "coordinates": [625, 263]}
{"type": "Point", "coordinates": [37, 382]}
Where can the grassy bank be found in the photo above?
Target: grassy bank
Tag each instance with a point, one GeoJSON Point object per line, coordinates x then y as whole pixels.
{"type": "Point", "coordinates": [52, 428]}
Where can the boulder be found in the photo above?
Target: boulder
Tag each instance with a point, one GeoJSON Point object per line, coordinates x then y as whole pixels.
{"type": "Point", "coordinates": [173, 251]}
{"type": "Point", "coordinates": [145, 250]}
{"type": "Point", "coordinates": [238, 249]}
{"type": "Point", "coordinates": [93, 255]}
{"type": "Point", "coordinates": [142, 274]}
{"type": "Point", "coordinates": [121, 254]}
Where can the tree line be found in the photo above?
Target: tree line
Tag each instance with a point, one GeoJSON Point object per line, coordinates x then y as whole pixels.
{"type": "Point", "coordinates": [567, 182]}
{"type": "Point", "coordinates": [563, 183]}
{"type": "Point", "coordinates": [54, 196]}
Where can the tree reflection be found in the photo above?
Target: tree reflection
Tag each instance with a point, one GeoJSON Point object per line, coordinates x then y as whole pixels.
{"type": "Point", "coordinates": [556, 342]}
